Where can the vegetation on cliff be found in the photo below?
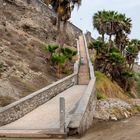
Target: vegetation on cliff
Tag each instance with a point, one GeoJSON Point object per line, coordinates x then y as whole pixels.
{"type": "Point", "coordinates": [61, 61]}
{"type": "Point", "coordinates": [105, 88]}
{"type": "Point", "coordinates": [63, 9]}
{"type": "Point", "coordinates": [115, 55]}
{"type": "Point", "coordinates": [23, 64]}
{"type": "Point", "coordinates": [137, 83]}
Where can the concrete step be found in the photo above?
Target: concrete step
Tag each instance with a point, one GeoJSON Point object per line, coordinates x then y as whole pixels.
{"type": "Point", "coordinates": [48, 134]}
{"type": "Point", "coordinates": [83, 76]}
{"type": "Point", "coordinates": [83, 79]}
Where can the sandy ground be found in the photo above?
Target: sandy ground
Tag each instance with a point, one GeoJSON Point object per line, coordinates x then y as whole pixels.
{"type": "Point", "coordinates": [122, 130]}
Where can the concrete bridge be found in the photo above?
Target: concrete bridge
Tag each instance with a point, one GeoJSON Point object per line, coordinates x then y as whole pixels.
{"type": "Point", "coordinates": [64, 108]}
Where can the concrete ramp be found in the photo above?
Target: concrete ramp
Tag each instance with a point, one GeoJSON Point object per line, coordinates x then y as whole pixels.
{"type": "Point", "coordinates": [47, 115]}
{"type": "Point", "coordinates": [55, 118]}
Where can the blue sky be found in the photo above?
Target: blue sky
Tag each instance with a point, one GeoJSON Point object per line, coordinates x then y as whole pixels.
{"type": "Point", "coordinates": [82, 17]}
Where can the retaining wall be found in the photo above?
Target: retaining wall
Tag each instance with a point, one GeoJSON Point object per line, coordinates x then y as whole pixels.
{"type": "Point", "coordinates": [25, 105]}
{"type": "Point", "coordinates": [82, 118]}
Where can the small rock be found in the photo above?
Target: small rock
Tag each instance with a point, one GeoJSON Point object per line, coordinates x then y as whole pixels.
{"type": "Point", "coordinates": [4, 4]}
{"type": "Point", "coordinates": [113, 118]}
{"type": "Point", "coordinates": [126, 115]}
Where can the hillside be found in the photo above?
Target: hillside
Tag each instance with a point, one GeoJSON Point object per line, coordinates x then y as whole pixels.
{"type": "Point", "coordinates": [23, 66]}
{"type": "Point", "coordinates": [108, 89]}
{"type": "Point", "coordinates": [136, 68]}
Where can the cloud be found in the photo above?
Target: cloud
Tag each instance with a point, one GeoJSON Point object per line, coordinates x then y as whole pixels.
{"type": "Point", "coordinates": [83, 17]}
{"type": "Point", "coordinates": [117, 4]}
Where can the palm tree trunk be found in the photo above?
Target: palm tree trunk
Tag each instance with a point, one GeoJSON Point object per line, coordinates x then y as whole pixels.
{"type": "Point", "coordinates": [64, 27]}
{"type": "Point", "coordinates": [59, 32]}
{"type": "Point", "coordinates": [58, 71]}
{"type": "Point", "coordinates": [110, 42]}
{"type": "Point", "coordinates": [58, 23]}
{"type": "Point", "coordinates": [103, 37]}
{"type": "Point", "coordinates": [126, 85]}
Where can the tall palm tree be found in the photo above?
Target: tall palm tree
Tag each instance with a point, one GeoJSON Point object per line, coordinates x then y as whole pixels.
{"type": "Point", "coordinates": [121, 41]}
{"type": "Point", "coordinates": [111, 23]}
{"type": "Point", "coordinates": [68, 53]}
{"type": "Point", "coordinates": [58, 60]}
{"type": "Point", "coordinates": [63, 9]}
{"type": "Point", "coordinates": [98, 22]}
{"type": "Point", "coordinates": [132, 52]}
{"type": "Point", "coordinates": [51, 49]}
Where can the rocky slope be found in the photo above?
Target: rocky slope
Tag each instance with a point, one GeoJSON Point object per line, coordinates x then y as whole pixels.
{"type": "Point", "coordinates": [116, 109]}
{"type": "Point", "coordinates": [113, 103]}
{"type": "Point", "coordinates": [23, 67]}
{"type": "Point", "coordinates": [136, 68]}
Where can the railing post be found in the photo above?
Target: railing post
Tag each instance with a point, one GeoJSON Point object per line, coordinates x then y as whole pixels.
{"type": "Point", "coordinates": [62, 114]}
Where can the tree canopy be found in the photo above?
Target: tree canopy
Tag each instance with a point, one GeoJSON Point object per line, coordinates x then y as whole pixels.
{"type": "Point", "coordinates": [116, 55]}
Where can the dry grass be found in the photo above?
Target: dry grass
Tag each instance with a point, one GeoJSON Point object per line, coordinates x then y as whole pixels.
{"type": "Point", "coordinates": [5, 100]}
{"type": "Point", "coordinates": [136, 108]}
{"type": "Point", "coordinates": [107, 88]}
{"type": "Point", "coordinates": [26, 88]}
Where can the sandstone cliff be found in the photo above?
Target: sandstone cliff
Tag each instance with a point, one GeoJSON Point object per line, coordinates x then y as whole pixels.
{"type": "Point", "coordinates": [23, 30]}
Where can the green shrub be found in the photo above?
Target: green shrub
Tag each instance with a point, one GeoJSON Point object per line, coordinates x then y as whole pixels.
{"type": "Point", "coordinates": [99, 95]}
{"type": "Point", "coordinates": [2, 69]}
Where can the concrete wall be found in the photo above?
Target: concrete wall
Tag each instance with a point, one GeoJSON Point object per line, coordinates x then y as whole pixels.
{"type": "Point", "coordinates": [82, 118]}
{"type": "Point", "coordinates": [88, 38]}
{"type": "Point", "coordinates": [77, 32]}
{"type": "Point", "coordinates": [18, 109]}
{"type": "Point", "coordinates": [25, 105]}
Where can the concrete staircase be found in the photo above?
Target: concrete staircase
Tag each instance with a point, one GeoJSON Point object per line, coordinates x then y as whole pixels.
{"type": "Point", "coordinates": [45, 121]}
{"type": "Point", "coordinates": [83, 76]}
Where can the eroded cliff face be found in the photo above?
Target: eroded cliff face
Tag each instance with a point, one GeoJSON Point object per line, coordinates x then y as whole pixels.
{"type": "Point", "coordinates": [23, 67]}
{"type": "Point", "coordinates": [136, 68]}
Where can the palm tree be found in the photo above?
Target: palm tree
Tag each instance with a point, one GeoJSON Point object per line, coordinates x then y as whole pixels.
{"type": "Point", "coordinates": [51, 49]}
{"type": "Point", "coordinates": [127, 76]}
{"type": "Point", "coordinates": [121, 41]}
{"type": "Point", "coordinates": [68, 53]}
{"type": "Point", "coordinates": [111, 23]}
{"type": "Point", "coordinates": [98, 23]}
{"type": "Point", "coordinates": [58, 60]}
{"type": "Point", "coordinates": [132, 51]}
{"type": "Point", "coordinates": [98, 45]}
{"type": "Point", "coordinates": [63, 9]}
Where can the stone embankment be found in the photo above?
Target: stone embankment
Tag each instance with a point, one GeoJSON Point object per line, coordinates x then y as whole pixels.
{"type": "Point", "coordinates": [24, 29]}
{"type": "Point", "coordinates": [116, 109]}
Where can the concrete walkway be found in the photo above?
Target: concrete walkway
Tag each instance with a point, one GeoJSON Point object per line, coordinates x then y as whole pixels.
{"type": "Point", "coordinates": [47, 115]}
{"type": "Point", "coordinates": [84, 69]}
